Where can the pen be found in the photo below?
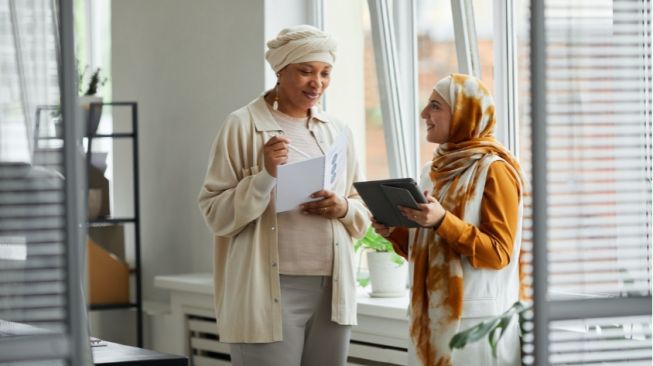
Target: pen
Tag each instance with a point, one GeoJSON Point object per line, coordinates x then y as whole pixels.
{"type": "Point", "coordinates": [299, 151]}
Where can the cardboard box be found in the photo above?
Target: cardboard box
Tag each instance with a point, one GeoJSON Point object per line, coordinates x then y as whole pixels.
{"type": "Point", "coordinates": [108, 277]}
{"type": "Point", "coordinates": [111, 237]}
{"type": "Point", "coordinates": [96, 180]}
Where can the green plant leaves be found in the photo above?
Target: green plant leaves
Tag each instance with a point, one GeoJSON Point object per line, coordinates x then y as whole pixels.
{"type": "Point", "coordinates": [488, 328]}
{"type": "Point", "coordinates": [373, 241]}
{"type": "Point", "coordinates": [377, 243]}
{"type": "Point", "coordinates": [363, 282]}
{"type": "Point", "coordinates": [95, 81]}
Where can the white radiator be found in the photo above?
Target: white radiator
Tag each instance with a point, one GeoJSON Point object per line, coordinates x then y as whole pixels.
{"type": "Point", "coordinates": [207, 350]}
{"type": "Point", "coordinates": [204, 342]}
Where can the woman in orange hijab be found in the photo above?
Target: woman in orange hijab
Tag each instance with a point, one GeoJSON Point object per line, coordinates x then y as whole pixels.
{"type": "Point", "coordinates": [465, 256]}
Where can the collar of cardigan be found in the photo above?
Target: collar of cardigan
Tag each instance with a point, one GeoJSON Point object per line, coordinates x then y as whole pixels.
{"type": "Point", "coordinates": [264, 121]}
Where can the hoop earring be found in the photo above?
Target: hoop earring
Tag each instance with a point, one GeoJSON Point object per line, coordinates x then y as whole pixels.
{"type": "Point", "coordinates": [275, 103]}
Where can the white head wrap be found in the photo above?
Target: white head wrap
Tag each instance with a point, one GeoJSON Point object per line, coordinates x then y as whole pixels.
{"type": "Point", "coordinates": [302, 43]}
{"type": "Point", "coordinates": [443, 87]}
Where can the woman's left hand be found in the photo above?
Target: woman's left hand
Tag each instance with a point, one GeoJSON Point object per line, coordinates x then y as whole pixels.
{"type": "Point", "coordinates": [429, 214]}
{"type": "Point", "coordinates": [330, 205]}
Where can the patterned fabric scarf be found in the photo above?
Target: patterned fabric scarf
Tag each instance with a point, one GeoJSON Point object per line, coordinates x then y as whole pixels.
{"type": "Point", "coordinates": [437, 289]}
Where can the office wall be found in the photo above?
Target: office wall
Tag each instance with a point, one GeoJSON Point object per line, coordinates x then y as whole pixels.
{"type": "Point", "coordinates": [280, 14]}
{"type": "Point", "coordinates": [187, 64]}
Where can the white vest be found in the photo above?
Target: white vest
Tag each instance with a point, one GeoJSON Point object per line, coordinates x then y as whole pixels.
{"type": "Point", "coordinates": [487, 292]}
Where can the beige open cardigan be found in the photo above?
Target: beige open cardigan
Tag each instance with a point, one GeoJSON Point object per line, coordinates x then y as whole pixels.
{"type": "Point", "coordinates": [237, 201]}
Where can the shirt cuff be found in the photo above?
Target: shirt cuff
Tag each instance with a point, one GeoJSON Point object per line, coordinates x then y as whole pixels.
{"type": "Point", "coordinates": [349, 216]}
{"type": "Point", "coordinates": [451, 228]}
{"type": "Point", "coordinates": [263, 182]}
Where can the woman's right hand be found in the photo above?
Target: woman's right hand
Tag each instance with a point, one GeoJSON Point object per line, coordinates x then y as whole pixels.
{"type": "Point", "coordinates": [275, 153]}
{"type": "Point", "coordinates": [381, 229]}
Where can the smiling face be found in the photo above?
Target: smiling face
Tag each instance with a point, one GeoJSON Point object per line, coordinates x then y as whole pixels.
{"type": "Point", "coordinates": [301, 86]}
{"type": "Point", "coordinates": [437, 116]}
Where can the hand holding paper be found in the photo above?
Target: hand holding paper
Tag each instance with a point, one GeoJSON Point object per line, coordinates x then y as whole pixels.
{"type": "Point", "coordinates": [328, 205]}
{"type": "Point", "coordinates": [297, 181]}
{"type": "Point", "coordinates": [275, 153]}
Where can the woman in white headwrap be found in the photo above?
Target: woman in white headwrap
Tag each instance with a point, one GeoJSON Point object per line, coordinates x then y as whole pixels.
{"type": "Point", "coordinates": [465, 256]}
{"type": "Point", "coordinates": [284, 283]}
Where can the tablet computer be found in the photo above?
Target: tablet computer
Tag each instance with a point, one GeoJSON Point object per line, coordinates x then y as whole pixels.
{"type": "Point", "coordinates": [383, 196]}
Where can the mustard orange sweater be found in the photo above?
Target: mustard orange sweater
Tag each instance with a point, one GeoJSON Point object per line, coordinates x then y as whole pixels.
{"type": "Point", "coordinates": [490, 244]}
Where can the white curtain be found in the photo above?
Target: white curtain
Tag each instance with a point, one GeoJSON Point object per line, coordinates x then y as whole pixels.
{"type": "Point", "coordinates": [29, 77]}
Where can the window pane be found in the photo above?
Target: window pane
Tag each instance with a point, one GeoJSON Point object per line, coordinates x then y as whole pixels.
{"type": "Point", "coordinates": [376, 157]}
{"type": "Point", "coordinates": [436, 56]}
{"type": "Point", "coordinates": [484, 20]}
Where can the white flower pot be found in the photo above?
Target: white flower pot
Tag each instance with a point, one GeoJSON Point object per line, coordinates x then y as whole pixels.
{"type": "Point", "coordinates": [91, 119]}
{"type": "Point", "coordinates": [387, 278]}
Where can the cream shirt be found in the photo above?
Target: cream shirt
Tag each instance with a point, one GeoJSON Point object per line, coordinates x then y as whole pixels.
{"type": "Point", "coordinates": [237, 201]}
{"type": "Point", "coordinates": [305, 241]}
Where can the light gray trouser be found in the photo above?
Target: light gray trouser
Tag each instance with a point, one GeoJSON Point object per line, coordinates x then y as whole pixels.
{"type": "Point", "coordinates": [310, 338]}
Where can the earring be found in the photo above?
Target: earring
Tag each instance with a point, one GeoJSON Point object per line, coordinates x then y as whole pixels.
{"type": "Point", "coordinates": [275, 104]}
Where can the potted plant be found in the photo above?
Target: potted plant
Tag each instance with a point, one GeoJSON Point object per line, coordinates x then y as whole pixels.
{"type": "Point", "coordinates": [387, 270]}
{"type": "Point", "coordinates": [89, 94]}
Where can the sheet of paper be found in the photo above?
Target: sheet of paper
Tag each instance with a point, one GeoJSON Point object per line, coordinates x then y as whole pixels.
{"type": "Point", "coordinates": [297, 181]}
{"type": "Point", "coordinates": [335, 161]}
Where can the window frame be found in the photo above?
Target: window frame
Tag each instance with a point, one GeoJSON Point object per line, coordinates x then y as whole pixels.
{"type": "Point", "coordinates": [506, 74]}
{"type": "Point", "coordinates": [464, 27]}
{"type": "Point", "coordinates": [395, 48]}
{"type": "Point", "coordinates": [74, 168]}
{"type": "Point", "coordinates": [400, 127]}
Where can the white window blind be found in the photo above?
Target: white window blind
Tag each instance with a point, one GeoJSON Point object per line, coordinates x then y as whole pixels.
{"type": "Point", "coordinates": [598, 181]}
{"type": "Point", "coordinates": [611, 341]}
{"type": "Point", "coordinates": [42, 316]}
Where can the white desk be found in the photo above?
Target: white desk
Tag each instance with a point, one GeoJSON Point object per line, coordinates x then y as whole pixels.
{"type": "Point", "coordinates": [381, 334]}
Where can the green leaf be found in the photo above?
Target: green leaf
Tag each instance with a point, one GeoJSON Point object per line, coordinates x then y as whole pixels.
{"type": "Point", "coordinates": [488, 328]}
{"type": "Point", "coordinates": [472, 334]}
{"type": "Point", "coordinates": [377, 243]}
{"type": "Point", "coordinates": [396, 259]}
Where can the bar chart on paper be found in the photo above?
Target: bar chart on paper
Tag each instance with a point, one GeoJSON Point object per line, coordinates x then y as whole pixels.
{"type": "Point", "coordinates": [297, 181]}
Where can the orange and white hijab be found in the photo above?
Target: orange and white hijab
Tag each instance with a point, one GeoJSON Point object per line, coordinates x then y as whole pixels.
{"type": "Point", "coordinates": [437, 281]}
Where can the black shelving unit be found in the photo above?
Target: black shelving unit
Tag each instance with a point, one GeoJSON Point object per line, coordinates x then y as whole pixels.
{"type": "Point", "coordinates": [95, 110]}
